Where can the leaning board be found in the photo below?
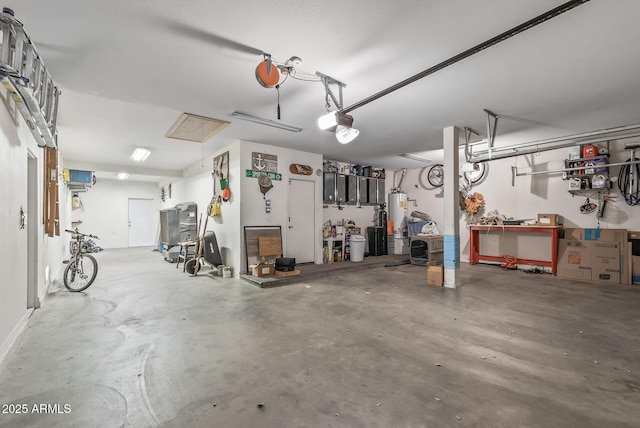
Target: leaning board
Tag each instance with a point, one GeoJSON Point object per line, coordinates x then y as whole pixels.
{"type": "Point", "coordinates": [251, 235]}
{"type": "Point", "coordinates": [269, 246]}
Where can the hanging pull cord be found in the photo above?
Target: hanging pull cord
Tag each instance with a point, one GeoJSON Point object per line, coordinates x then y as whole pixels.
{"type": "Point", "coordinates": [278, 109]}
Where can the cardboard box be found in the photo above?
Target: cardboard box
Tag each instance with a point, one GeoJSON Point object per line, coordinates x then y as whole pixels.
{"type": "Point", "coordinates": [605, 262]}
{"type": "Point", "coordinates": [435, 274]}
{"type": "Point", "coordinates": [549, 220]}
{"type": "Point", "coordinates": [626, 266]}
{"type": "Point", "coordinates": [634, 242]}
{"type": "Point", "coordinates": [262, 269]}
{"type": "Point", "coordinates": [607, 235]}
{"type": "Point", "coordinates": [289, 273]}
{"type": "Point", "coordinates": [635, 276]}
{"type": "Point", "coordinates": [574, 259]}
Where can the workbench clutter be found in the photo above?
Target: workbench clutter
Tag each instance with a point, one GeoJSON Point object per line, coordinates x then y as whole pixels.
{"type": "Point", "coordinates": [604, 255]}
{"type": "Point", "coordinates": [271, 263]}
{"type": "Point", "coordinates": [337, 240]}
{"type": "Point", "coordinates": [549, 220]}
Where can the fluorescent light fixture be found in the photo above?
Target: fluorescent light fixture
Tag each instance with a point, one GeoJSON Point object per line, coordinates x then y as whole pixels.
{"type": "Point", "coordinates": [265, 121]}
{"type": "Point", "coordinates": [415, 157]}
{"type": "Point", "coordinates": [345, 135]}
{"type": "Point", "coordinates": [123, 176]}
{"type": "Point", "coordinates": [140, 154]}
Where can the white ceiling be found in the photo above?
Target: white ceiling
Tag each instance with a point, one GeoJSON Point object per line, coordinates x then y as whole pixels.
{"type": "Point", "coordinates": [128, 69]}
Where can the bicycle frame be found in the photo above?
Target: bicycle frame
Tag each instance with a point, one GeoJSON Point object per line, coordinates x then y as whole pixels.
{"type": "Point", "coordinates": [79, 261]}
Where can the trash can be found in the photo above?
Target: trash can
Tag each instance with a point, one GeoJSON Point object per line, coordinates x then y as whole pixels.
{"type": "Point", "coordinates": [377, 238]}
{"type": "Point", "coordinates": [356, 244]}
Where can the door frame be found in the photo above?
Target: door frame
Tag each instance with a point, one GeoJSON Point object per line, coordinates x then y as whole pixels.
{"type": "Point", "coordinates": [314, 208]}
{"type": "Point", "coordinates": [33, 300]}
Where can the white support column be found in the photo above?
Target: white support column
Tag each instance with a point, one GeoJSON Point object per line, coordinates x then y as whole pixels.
{"type": "Point", "coordinates": [451, 139]}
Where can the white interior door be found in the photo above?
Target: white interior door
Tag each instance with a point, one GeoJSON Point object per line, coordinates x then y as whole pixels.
{"type": "Point", "coordinates": [141, 223]}
{"type": "Point", "coordinates": [301, 232]}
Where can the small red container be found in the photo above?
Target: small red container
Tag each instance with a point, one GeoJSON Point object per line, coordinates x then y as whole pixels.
{"type": "Point", "coordinates": [589, 150]}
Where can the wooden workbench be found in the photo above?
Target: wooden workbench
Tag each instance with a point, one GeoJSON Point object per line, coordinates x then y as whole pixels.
{"type": "Point", "coordinates": [474, 244]}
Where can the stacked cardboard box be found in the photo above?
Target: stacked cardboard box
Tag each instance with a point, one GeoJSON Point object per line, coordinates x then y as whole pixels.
{"type": "Point", "coordinates": [435, 274]}
{"type": "Point", "coordinates": [595, 254]}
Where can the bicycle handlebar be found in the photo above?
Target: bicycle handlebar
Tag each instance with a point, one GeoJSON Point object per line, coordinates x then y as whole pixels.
{"type": "Point", "coordinates": [81, 234]}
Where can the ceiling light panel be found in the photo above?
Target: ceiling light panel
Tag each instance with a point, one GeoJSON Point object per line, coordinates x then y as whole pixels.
{"type": "Point", "coordinates": [191, 127]}
{"type": "Point", "coordinates": [140, 154]}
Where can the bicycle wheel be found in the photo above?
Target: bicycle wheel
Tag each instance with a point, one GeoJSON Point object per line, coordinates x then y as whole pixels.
{"type": "Point", "coordinates": [80, 273]}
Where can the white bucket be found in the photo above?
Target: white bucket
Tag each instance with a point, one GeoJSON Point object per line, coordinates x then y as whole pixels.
{"type": "Point", "coordinates": [227, 272]}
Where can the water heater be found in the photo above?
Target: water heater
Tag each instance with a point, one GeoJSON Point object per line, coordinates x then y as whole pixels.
{"type": "Point", "coordinates": [398, 212]}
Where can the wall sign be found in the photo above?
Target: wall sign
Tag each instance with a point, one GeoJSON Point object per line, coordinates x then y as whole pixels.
{"type": "Point", "coordinates": [255, 174]}
{"type": "Point", "coordinates": [263, 162]}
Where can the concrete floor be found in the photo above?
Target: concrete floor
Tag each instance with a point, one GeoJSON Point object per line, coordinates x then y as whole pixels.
{"type": "Point", "coordinates": [147, 345]}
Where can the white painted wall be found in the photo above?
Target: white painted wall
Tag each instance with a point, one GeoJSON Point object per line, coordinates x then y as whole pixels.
{"type": "Point", "coordinates": [246, 206]}
{"type": "Point", "coordinates": [253, 207]}
{"type": "Point", "coordinates": [16, 142]}
{"type": "Point", "coordinates": [197, 186]}
{"type": "Point", "coordinates": [531, 194]}
{"type": "Point", "coordinates": [105, 210]}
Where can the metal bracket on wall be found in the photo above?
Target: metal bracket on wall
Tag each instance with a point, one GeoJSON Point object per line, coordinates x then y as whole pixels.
{"type": "Point", "coordinates": [537, 146]}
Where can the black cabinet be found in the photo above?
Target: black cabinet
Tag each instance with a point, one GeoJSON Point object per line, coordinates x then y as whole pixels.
{"type": "Point", "coordinates": [341, 188]}
{"type": "Point", "coordinates": [363, 190]}
{"type": "Point", "coordinates": [373, 191]}
{"type": "Point", "coordinates": [352, 189]}
{"type": "Point", "coordinates": [329, 187]}
{"type": "Point", "coordinates": [377, 238]}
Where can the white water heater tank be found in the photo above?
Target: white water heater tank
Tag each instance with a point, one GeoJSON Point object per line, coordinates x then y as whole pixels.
{"type": "Point", "coordinates": [398, 212]}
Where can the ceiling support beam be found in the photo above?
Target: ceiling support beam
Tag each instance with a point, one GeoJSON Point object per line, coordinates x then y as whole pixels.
{"type": "Point", "coordinates": [565, 7]}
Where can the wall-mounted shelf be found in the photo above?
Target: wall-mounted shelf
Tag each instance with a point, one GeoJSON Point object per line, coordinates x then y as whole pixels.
{"type": "Point", "coordinates": [589, 191]}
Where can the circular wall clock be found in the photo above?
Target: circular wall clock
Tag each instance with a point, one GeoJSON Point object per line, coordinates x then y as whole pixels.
{"type": "Point", "coordinates": [436, 175]}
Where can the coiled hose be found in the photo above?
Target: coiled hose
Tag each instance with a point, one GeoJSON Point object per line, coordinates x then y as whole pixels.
{"type": "Point", "coordinates": [629, 183]}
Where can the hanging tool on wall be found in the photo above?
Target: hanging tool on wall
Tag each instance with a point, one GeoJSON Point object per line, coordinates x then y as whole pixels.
{"type": "Point", "coordinates": [605, 199]}
{"type": "Point", "coordinates": [629, 177]}
{"type": "Point", "coordinates": [588, 207]}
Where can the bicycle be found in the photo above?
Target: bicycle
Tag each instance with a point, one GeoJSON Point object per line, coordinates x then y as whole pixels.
{"type": "Point", "coordinates": [82, 267]}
